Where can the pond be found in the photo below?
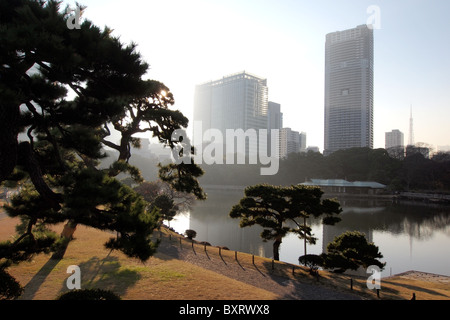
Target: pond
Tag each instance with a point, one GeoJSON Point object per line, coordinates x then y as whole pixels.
{"type": "Point", "coordinates": [410, 235]}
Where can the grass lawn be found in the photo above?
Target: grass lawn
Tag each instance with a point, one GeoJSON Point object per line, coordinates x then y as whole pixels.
{"type": "Point", "coordinates": [160, 278]}
{"type": "Point", "coordinates": [163, 277]}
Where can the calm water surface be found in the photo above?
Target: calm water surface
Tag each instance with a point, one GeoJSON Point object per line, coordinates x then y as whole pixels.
{"type": "Point", "coordinates": [411, 236]}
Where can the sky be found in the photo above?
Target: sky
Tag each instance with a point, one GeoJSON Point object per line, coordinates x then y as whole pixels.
{"type": "Point", "coordinates": [188, 42]}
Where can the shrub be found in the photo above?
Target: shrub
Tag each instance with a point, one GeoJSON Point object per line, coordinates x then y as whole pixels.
{"type": "Point", "coordinates": [191, 234]}
{"type": "Point", "coordinates": [312, 261]}
{"type": "Point", "coordinates": [351, 250]}
{"type": "Point", "coordinates": [9, 288]}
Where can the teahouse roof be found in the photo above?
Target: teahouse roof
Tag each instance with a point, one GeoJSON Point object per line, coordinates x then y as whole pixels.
{"type": "Point", "coordinates": [343, 183]}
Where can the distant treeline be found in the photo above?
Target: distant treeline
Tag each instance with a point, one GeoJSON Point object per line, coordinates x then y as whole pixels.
{"type": "Point", "coordinates": [414, 172]}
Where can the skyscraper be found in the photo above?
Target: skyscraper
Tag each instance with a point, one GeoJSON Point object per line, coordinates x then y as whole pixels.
{"type": "Point", "coordinates": [395, 138]}
{"type": "Point", "coordinates": [288, 142]}
{"type": "Point", "coordinates": [291, 142]}
{"type": "Point", "coordinates": [394, 144]}
{"type": "Point", "coordinates": [349, 89]}
{"type": "Point", "coordinates": [237, 101]}
{"type": "Point", "coordinates": [274, 121]}
{"type": "Point", "coordinates": [302, 141]}
{"type": "Point", "coordinates": [274, 116]}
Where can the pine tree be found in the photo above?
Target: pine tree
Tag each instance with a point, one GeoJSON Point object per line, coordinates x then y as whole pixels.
{"type": "Point", "coordinates": [351, 250]}
{"type": "Point", "coordinates": [65, 89]}
{"type": "Point", "coordinates": [281, 210]}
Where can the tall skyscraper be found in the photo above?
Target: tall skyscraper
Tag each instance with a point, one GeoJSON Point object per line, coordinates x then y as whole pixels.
{"type": "Point", "coordinates": [237, 101]}
{"type": "Point", "coordinates": [349, 89]}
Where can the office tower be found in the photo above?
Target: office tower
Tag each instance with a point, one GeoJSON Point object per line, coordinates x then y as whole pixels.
{"type": "Point", "coordinates": [394, 144]}
{"type": "Point", "coordinates": [274, 122]}
{"type": "Point", "coordinates": [287, 142]}
{"type": "Point", "coordinates": [302, 142]}
{"type": "Point", "coordinates": [395, 138]}
{"type": "Point", "coordinates": [348, 89]}
{"type": "Point", "coordinates": [291, 142]}
{"type": "Point", "coordinates": [237, 101]}
{"type": "Point", "coordinates": [274, 116]}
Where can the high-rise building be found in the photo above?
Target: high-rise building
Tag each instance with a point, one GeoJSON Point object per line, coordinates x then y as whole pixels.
{"type": "Point", "coordinates": [291, 142]}
{"type": "Point", "coordinates": [349, 89]}
{"type": "Point", "coordinates": [237, 101]}
{"type": "Point", "coordinates": [287, 142]}
{"type": "Point", "coordinates": [302, 141]}
{"type": "Point", "coordinates": [395, 138]}
{"type": "Point", "coordinates": [274, 122]}
{"type": "Point", "coordinates": [274, 116]}
{"type": "Point", "coordinates": [394, 144]}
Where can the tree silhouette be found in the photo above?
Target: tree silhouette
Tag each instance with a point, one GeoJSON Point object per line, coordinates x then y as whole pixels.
{"type": "Point", "coordinates": [272, 207]}
{"type": "Point", "coordinates": [162, 196]}
{"type": "Point", "coordinates": [64, 90]}
{"type": "Point", "coordinates": [351, 250]}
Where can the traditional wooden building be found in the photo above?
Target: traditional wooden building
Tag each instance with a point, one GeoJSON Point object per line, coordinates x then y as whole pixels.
{"type": "Point", "coordinates": [344, 186]}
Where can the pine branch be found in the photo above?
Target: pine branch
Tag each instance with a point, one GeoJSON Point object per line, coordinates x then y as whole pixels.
{"type": "Point", "coordinates": [27, 159]}
{"type": "Point", "coordinates": [50, 137]}
{"type": "Point", "coordinates": [28, 233]}
{"type": "Point", "coordinates": [111, 144]}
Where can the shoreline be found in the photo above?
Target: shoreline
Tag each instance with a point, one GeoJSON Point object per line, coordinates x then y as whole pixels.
{"type": "Point", "coordinates": [416, 197]}
{"type": "Point", "coordinates": [423, 276]}
{"type": "Point", "coordinates": [209, 262]}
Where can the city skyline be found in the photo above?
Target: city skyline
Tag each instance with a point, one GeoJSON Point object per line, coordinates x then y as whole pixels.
{"type": "Point", "coordinates": [188, 43]}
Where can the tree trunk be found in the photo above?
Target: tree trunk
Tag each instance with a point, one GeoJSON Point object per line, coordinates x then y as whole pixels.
{"type": "Point", "coordinates": [304, 224]}
{"type": "Point", "coordinates": [27, 159]}
{"type": "Point", "coordinates": [276, 249]}
{"type": "Point", "coordinates": [69, 230]}
{"type": "Point", "coordinates": [67, 235]}
{"type": "Point", "coordinates": [8, 140]}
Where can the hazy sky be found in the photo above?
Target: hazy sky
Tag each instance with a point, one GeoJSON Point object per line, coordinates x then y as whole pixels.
{"type": "Point", "coordinates": [187, 42]}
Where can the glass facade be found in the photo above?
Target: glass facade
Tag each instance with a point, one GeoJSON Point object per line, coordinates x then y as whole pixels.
{"type": "Point", "coordinates": [238, 101]}
{"type": "Point", "coordinates": [349, 89]}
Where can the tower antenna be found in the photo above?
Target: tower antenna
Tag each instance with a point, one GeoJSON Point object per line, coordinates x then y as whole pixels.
{"type": "Point", "coordinates": [411, 129]}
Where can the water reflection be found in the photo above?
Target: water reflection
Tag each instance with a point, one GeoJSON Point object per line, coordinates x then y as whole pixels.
{"type": "Point", "coordinates": [394, 227]}
{"type": "Point", "coordinates": [414, 219]}
{"type": "Point", "coordinates": [211, 221]}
